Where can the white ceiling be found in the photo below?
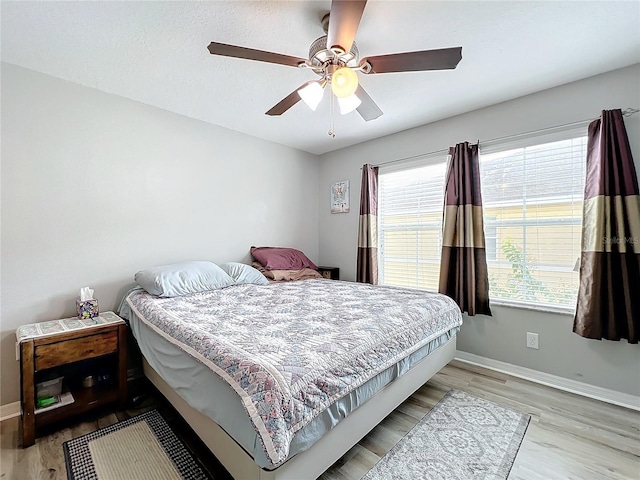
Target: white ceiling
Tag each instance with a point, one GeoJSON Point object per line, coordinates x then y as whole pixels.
{"type": "Point", "coordinates": [155, 53]}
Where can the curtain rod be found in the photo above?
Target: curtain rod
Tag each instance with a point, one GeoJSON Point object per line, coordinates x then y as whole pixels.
{"type": "Point", "coordinates": [627, 112]}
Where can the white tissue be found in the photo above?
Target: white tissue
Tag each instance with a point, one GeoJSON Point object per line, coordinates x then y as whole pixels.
{"type": "Point", "coordinates": [86, 293]}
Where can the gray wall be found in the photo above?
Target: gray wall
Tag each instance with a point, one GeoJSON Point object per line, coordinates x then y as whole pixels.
{"type": "Point", "coordinates": [96, 187]}
{"type": "Point", "coordinates": [613, 365]}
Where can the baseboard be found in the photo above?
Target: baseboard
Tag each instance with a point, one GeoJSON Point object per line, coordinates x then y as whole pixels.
{"type": "Point", "coordinates": [9, 410]}
{"type": "Point", "coordinates": [598, 393]}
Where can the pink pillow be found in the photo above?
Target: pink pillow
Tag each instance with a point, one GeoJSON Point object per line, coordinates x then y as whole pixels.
{"type": "Point", "coordinates": [280, 258]}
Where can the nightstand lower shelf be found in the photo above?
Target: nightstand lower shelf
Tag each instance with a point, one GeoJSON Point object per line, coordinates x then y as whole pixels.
{"type": "Point", "coordinates": [84, 400]}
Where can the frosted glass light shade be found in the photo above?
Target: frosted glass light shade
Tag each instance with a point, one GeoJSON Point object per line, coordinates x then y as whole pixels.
{"type": "Point", "coordinates": [312, 94]}
{"type": "Point", "coordinates": [348, 104]}
{"type": "Point", "coordinates": [344, 82]}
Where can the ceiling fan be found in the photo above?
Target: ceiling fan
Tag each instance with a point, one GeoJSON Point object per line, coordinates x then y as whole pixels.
{"type": "Point", "coordinates": [334, 57]}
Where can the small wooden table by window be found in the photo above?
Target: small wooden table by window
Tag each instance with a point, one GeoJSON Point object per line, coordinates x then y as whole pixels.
{"type": "Point", "coordinates": [73, 349]}
{"type": "Point", "coordinates": [330, 272]}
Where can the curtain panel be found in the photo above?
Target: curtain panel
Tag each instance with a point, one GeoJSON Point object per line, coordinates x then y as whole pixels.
{"type": "Point", "coordinates": [367, 263]}
{"type": "Point", "coordinates": [463, 267]}
{"type": "Point", "coordinates": [608, 304]}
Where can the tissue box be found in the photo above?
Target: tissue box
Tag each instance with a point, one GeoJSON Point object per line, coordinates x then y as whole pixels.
{"type": "Point", "coordinates": [87, 309]}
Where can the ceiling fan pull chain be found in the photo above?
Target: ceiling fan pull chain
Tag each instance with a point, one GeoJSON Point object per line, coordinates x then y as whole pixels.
{"type": "Point", "coordinates": [332, 132]}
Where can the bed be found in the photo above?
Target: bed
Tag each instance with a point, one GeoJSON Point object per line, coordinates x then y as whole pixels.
{"type": "Point", "coordinates": [280, 380]}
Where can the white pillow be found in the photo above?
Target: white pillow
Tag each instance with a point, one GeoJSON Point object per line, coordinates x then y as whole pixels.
{"type": "Point", "coordinates": [183, 278]}
{"type": "Point", "coordinates": [242, 273]}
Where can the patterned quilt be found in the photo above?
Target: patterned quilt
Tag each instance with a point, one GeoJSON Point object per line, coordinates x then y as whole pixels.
{"type": "Point", "coordinates": [290, 350]}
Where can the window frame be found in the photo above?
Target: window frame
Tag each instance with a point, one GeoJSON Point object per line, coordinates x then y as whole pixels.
{"type": "Point", "coordinates": [532, 139]}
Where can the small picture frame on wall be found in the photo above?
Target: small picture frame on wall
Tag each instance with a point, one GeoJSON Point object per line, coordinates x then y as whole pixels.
{"type": "Point", "coordinates": [340, 197]}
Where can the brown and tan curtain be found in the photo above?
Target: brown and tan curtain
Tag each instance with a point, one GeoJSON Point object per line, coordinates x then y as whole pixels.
{"type": "Point", "coordinates": [463, 267]}
{"type": "Point", "coordinates": [367, 264]}
{"type": "Point", "coordinates": [609, 294]}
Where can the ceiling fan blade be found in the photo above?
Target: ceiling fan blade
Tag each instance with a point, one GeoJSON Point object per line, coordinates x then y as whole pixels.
{"type": "Point", "coordinates": [251, 54]}
{"type": "Point", "coordinates": [344, 20]}
{"type": "Point", "coordinates": [443, 59]}
{"type": "Point", "coordinates": [368, 108]}
{"type": "Point", "coordinates": [287, 102]}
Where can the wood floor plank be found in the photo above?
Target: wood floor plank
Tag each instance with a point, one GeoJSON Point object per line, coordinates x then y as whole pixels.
{"type": "Point", "coordinates": [414, 407]}
{"type": "Point", "coordinates": [34, 462]}
{"type": "Point", "coordinates": [600, 436]}
{"type": "Point", "coordinates": [399, 422]}
{"type": "Point", "coordinates": [107, 420]}
{"type": "Point", "coordinates": [556, 454]}
{"type": "Point", "coordinates": [569, 436]}
{"type": "Point", "coordinates": [52, 461]}
{"type": "Point", "coordinates": [538, 399]}
{"type": "Point", "coordinates": [465, 370]}
{"type": "Point", "coordinates": [360, 461]}
{"type": "Point", "coordinates": [380, 440]}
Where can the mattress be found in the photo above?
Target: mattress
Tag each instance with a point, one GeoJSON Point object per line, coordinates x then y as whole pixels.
{"type": "Point", "coordinates": [320, 310]}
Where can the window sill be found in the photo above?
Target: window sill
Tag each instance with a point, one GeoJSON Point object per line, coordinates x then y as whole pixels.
{"type": "Point", "coordinates": [537, 308]}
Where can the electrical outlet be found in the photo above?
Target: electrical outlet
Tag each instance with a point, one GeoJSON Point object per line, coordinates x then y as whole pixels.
{"type": "Point", "coordinates": [532, 340]}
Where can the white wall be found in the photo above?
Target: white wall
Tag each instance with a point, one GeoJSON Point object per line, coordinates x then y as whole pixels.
{"type": "Point", "coordinates": [612, 365]}
{"type": "Point", "coordinates": [96, 187]}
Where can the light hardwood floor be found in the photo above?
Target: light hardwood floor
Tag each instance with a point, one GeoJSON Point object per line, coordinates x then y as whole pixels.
{"type": "Point", "coordinates": [569, 437]}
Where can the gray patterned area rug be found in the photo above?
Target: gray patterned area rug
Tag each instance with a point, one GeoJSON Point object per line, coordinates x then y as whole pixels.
{"type": "Point", "coordinates": [463, 437]}
{"type": "Point", "coordinates": [141, 448]}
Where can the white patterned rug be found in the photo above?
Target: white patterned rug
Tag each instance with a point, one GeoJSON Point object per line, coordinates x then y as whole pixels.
{"type": "Point", "coordinates": [141, 448]}
{"type": "Point", "coordinates": [463, 437]}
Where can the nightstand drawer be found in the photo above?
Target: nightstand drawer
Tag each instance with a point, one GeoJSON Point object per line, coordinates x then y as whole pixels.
{"type": "Point", "coordinates": [61, 353]}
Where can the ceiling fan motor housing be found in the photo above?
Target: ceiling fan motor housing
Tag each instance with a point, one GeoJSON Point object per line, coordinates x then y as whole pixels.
{"type": "Point", "coordinates": [319, 55]}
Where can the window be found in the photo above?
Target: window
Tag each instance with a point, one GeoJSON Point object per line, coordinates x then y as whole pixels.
{"type": "Point", "coordinates": [410, 206]}
{"type": "Point", "coordinates": [532, 192]}
{"type": "Point", "coordinates": [532, 198]}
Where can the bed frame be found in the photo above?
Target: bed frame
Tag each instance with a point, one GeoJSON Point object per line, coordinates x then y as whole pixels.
{"type": "Point", "coordinates": [311, 463]}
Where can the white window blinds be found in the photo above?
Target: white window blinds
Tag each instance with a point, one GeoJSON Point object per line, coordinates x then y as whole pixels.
{"type": "Point", "coordinates": [410, 206]}
{"type": "Point", "coordinates": [532, 200]}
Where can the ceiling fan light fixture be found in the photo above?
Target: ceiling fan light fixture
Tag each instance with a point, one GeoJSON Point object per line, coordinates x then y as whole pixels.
{"type": "Point", "coordinates": [344, 82]}
{"type": "Point", "coordinates": [349, 104]}
{"type": "Point", "coordinates": [312, 94]}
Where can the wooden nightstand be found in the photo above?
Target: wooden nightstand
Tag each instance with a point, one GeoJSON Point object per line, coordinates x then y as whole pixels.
{"type": "Point", "coordinates": [73, 349]}
{"type": "Point", "coordinates": [330, 272]}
